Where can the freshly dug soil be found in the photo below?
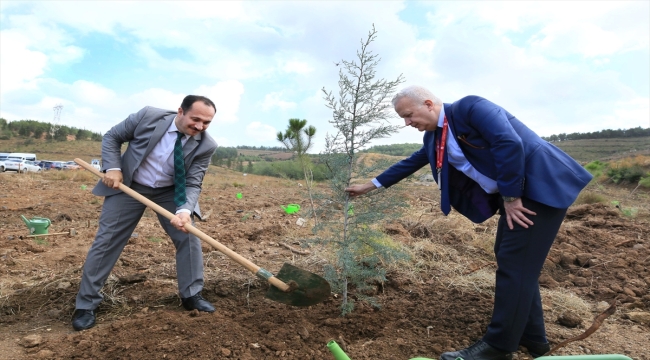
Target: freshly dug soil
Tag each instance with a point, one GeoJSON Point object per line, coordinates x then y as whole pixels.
{"type": "Point", "coordinates": [599, 256]}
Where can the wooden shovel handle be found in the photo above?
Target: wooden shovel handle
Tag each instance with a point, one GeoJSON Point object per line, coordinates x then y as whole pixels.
{"type": "Point", "coordinates": [200, 234]}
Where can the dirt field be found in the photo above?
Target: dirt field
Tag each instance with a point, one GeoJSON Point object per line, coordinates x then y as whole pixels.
{"type": "Point", "coordinates": [440, 301]}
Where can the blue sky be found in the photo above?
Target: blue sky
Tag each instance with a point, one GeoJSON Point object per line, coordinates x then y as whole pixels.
{"type": "Point", "coordinates": [559, 66]}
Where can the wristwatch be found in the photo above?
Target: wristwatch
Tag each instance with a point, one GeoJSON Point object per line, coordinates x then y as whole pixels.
{"type": "Point", "coordinates": [509, 198]}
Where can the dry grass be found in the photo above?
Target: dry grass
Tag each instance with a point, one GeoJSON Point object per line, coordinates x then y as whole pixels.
{"type": "Point", "coordinates": [561, 300]}
{"type": "Point", "coordinates": [71, 175]}
{"type": "Point", "coordinates": [590, 197]}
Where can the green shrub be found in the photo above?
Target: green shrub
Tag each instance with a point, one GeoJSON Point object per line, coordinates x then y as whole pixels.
{"type": "Point", "coordinates": [645, 181]}
{"type": "Point", "coordinates": [596, 168]}
{"type": "Point", "coordinates": [288, 169]}
{"type": "Point", "coordinates": [626, 174]}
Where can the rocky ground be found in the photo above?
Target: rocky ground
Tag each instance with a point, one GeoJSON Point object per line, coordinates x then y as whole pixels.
{"type": "Point", "coordinates": [441, 300]}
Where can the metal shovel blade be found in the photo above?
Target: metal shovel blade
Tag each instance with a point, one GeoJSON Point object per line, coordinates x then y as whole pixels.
{"type": "Point", "coordinates": [306, 288]}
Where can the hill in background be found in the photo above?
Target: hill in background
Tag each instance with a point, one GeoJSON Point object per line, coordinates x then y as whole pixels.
{"type": "Point", "coordinates": [584, 150]}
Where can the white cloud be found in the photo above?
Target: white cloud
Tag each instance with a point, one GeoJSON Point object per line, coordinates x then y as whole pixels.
{"type": "Point", "coordinates": [298, 67]}
{"type": "Point", "coordinates": [18, 64]}
{"type": "Point", "coordinates": [273, 100]}
{"type": "Point", "coordinates": [551, 64]}
{"type": "Point", "coordinates": [156, 97]}
{"type": "Point", "coordinates": [92, 93]}
{"type": "Point", "coordinates": [260, 133]}
{"type": "Point", "coordinates": [226, 95]}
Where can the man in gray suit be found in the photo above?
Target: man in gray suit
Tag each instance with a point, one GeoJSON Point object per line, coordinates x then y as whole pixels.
{"type": "Point", "coordinates": [147, 166]}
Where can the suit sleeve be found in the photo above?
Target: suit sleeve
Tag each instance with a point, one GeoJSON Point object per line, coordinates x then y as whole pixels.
{"type": "Point", "coordinates": [194, 177]}
{"type": "Point", "coordinates": [114, 138]}
{"type": "Point", "coordinates": [506, 147]}
{"type": "Point", "coordinates": [404, 168]}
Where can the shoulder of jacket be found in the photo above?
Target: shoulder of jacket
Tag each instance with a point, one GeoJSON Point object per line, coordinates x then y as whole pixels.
{"type": "Point", "coordinates": [208, 139]}
{"type": "Point", "coordinates": [156, 111]}
{"type": "Point", "coordinates": [468, 102]}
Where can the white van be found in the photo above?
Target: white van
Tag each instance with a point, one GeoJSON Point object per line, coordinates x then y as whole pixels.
{"type": "Point", "coordinates": [21, 156]}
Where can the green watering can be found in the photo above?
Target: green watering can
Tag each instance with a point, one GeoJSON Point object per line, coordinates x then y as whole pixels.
{"type": "Point", "coordinates": [37, 225]}
{"type": "Point", "coordinates": [291, 208]}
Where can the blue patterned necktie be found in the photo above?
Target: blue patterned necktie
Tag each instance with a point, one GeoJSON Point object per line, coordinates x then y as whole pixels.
{"type": "Point", "coordinates": [179, 172]}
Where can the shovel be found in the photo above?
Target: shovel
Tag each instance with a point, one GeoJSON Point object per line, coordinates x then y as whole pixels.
{"type": "Point", "coordinates": [292, 286]}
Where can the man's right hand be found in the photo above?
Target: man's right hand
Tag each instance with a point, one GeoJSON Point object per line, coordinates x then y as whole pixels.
{"type": "Point", "coordinates": [356, 190]}
{"type": "Point", "coordinates": [113, 179]}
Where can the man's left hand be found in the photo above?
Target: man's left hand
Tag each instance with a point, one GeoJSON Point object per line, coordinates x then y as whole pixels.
{"type": "Point", "coordinates": [515, 211]}
{"type": "Point", "coordinates": [179, 220]}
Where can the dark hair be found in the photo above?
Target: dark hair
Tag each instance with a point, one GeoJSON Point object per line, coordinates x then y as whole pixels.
{"type": "Point", "coordinates": [191, 99]}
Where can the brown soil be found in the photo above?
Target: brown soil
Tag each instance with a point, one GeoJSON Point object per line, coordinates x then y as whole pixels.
{"type": "Point", "coordinates": [600, 256]}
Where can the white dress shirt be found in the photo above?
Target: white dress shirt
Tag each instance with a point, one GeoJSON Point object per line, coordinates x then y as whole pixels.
{"type": "Point", "coordinates": [458, 160]}
{"type": "Point", "coordinates": [157, 169]}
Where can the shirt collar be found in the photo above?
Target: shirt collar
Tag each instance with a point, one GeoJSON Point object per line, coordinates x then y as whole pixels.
{"type": "Point", "coordinates": [173, 128]}
{"type": "Point", "coordinates": [441, 117]}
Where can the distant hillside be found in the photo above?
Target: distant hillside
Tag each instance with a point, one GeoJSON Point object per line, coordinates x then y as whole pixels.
{"type": "Point", "coordinates": [583, 151]}
{"type": "Point", "coordinates": [394, 149]}
{"type": "Point", "coordinates": [589, 150]}
{"type": "Point", "coordinates": [42, 130]}
{"type": "Point", "coordinates": [54, 150]}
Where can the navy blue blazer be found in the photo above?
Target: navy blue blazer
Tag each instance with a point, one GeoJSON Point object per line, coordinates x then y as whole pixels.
{"type": "Point", "coordinates": [502, 148]}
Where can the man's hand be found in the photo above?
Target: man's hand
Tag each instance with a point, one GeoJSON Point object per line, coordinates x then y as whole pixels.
{"type": "Point", "coordinates": [179, 221]}
{"type": "Point", "coordinates": [515, 212]}
{"type": "Point", "coordinates": [356, 190]}
{"type": "Point", "coordinates": [113, 179]}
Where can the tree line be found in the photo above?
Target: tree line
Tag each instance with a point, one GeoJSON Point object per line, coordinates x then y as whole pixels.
{"type": "Point", "coordinates": [261, 147]}
{"type": "Point", "coordinates": [37, 130]}
{"type": "Point", "coordinates": [602, 134]}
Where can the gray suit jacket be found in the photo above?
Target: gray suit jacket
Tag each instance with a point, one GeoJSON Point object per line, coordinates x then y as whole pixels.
{"type": "Point", "coordinates": [142, 131]}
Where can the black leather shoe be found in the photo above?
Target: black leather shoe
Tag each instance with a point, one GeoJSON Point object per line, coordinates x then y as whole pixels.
{"type": "Point", "coordinates": [197, 302]}
{"type": "Point", "coordinates": [535, 349]}
{"type": "Point", "coordinates": [83, 319]}
{"type": "Point", "coordinates": [479, 351]}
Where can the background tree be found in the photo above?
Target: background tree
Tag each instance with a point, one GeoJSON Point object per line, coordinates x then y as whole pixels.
{"type": "Point", "coordinates": [297, 138]}
{"type": "Point", "coordinates": [360, 114]}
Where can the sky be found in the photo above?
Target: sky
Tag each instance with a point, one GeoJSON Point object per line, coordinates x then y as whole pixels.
{"type": "Point", "coordinates": [558, 66]}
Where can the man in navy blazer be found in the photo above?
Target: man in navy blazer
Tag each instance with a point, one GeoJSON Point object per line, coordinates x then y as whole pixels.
{"type": "Point", "coordinates": [486, 161]}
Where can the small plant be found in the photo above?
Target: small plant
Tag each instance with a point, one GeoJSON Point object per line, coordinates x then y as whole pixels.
{"type": "Point", "coordinates": [360, 115]}
{"type": "Point", "coordinates": [238, 185]}
{"type": "Point", "coordinates": [628, 212]}
{"type": "Point", "coordinates": [297, 138]}
{"type": "Point", "coordinates": [41, 241]}
{"type": "Point", "coordinates": [596, 168]}
{"type": "Point", "coordinates": [154, 239]}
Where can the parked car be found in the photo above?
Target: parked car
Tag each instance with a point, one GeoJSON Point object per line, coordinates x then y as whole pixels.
{"type": "Point", "coordinates": [96, 164]}
{"type": "Point", "coordinates": [71, 165]}
{"type": "Point", "coordinates": [48, 165]}
{"type": "Point", "coordinates": [3, 158]}
{"type": "Point", "coordinates": [58, 165]}
{"type": "Point", "coordinates": [21, 166]}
